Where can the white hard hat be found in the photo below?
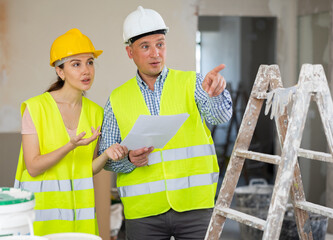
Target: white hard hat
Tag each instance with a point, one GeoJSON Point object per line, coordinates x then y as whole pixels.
{"type": "Point", "coordinates": [142, 21]}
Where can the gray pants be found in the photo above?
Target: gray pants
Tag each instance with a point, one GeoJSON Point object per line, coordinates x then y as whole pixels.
{"type": "Point", "coordinates": [181, 225]}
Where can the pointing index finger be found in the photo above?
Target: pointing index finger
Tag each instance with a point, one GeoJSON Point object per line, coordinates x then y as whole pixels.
{"type": "Point", "coordinates": [218, 68]}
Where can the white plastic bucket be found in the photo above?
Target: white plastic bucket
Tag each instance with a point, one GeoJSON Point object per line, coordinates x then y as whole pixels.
{"type": "Point", "coordinates": [16, 212]}
{"type": "Point", "coordinates": [72, 236]}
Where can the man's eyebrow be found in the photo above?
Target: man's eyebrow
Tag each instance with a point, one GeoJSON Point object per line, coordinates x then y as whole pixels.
{"type": "Point", "coordinates": [146, 42]}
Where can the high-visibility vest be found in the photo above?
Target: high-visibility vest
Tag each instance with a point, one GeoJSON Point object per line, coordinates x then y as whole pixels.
{"type": "Point", "coordinates": [64, 194]}
{"type": "Point", "coordinates": [184, 174]}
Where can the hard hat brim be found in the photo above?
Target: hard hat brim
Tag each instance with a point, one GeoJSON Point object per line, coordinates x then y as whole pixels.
{"type": "Point", "coordinates": [97, 53]}
{"type": "Point", "coordinates": [134, 38]}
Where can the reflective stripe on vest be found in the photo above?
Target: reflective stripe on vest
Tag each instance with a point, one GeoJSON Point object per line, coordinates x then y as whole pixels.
{"type": "Point", "coordinates": [55, 185]}
{"type": "Point", "coordinates": [172, 184]}
{"type": "Point", "coordinates": [64, 214]}
{"type": "Point", "coordinates": [181, 153]}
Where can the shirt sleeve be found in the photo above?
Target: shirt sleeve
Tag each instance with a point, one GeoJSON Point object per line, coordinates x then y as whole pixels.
{"type": "Point", "coordinates": [28, 126]}
{"type": "Point", "coordinates": [215, 110]}
{"type": "Point", "coordinates": [110, 134]}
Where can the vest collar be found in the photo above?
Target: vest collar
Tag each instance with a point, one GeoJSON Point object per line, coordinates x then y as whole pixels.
{"type": "Point", "coordinates": [160, 78]}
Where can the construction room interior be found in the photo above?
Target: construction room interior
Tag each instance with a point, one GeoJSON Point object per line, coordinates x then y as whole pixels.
{"type": "Point", "coordinates": [242, 34]}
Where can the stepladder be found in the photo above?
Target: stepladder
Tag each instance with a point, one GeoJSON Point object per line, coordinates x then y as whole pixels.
{"type": "Point", "coordinates": [312, 86]}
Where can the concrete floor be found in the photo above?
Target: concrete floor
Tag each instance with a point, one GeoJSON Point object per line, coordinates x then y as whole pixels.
{"type": "Point", "coordinates": [329, 237]}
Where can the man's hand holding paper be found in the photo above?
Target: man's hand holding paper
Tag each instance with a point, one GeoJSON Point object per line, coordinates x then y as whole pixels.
{"type": "Point", "coordinates": [139, 157]}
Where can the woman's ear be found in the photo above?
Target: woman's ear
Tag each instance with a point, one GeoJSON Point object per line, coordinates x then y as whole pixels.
{"type": "Point", "coordinates": [60, 72]}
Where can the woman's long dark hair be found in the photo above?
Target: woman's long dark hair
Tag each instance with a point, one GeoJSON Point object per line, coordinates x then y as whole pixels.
{"type": "Point", "coordinates": [58, 84]}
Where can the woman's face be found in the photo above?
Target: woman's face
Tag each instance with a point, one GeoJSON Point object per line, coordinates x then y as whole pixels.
{"type": "Point", "coordinates": [78, 72]}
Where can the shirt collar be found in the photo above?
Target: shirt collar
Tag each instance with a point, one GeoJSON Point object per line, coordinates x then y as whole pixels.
{"type": "Point", "coordinates": [161, 78]}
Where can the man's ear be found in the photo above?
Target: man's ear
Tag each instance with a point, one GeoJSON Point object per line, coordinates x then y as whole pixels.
{"type": "Point", "coordinates": [129, 52]}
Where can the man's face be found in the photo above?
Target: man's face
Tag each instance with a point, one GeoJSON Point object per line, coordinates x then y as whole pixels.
{"type": "Point", "coordinates": [149, 54]}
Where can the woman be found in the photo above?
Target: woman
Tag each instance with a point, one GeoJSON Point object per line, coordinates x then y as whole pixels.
{"type": "Point", "coordinates": [59, 142]}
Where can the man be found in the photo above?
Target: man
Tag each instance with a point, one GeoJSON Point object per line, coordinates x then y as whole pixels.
{"type": "Point", "coordinates": [170, 191]}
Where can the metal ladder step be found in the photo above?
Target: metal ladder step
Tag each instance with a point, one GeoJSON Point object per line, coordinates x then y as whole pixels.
{"type": "Point", "coordinates": [241, 217]}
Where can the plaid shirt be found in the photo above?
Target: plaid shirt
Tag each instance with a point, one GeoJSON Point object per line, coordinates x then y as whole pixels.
{"type": "Point", "coordinates": [215, 110]}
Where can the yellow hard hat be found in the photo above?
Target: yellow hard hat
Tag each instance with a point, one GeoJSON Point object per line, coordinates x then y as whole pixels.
{"type": "Point", "coordinates": [71, 43]}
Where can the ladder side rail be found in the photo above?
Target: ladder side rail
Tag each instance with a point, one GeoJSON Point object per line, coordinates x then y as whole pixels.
{"type": "Point", "coordinates": [243, 141]}
{"type": "Point", "coordinates": [297, 189]}
{"type": "Point", "coordinates": [315, 82]}
{"type": "Point", "coordinates": [286, 168]}
{"type": "Point", "coordinates": [301, 216]}
{"type": "Point", "coordinates": [325, 106]}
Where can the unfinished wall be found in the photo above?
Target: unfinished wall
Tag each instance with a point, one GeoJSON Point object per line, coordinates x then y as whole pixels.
{"type": "Point", "coordinates": [28, 29]}
{"type": "Point", "coordinates": [306, 7]}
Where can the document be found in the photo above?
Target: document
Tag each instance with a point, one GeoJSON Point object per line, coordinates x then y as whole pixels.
{"type": "Point", "coordinates": [153, 131]}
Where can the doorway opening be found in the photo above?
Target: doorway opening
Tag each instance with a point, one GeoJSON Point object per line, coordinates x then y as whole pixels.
{"type": "Point", "coordinates": [242, 44]}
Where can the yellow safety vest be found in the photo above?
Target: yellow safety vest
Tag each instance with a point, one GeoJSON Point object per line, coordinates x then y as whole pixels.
{"type": "Point", "coordinates": [64, 194]}
{"type": "Point", "coordinates": [184, 174]}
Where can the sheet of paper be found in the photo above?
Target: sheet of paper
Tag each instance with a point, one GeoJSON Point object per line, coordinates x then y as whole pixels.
{"type": "Point", "coordinates": [153, 131]}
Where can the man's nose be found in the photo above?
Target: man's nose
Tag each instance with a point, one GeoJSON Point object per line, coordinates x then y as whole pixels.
{"type": "Point", "coordinates": [154, 52]}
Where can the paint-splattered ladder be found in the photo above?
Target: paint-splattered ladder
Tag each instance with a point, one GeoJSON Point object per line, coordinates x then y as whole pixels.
{"type": "Point", "coordinates": [312, 84]}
